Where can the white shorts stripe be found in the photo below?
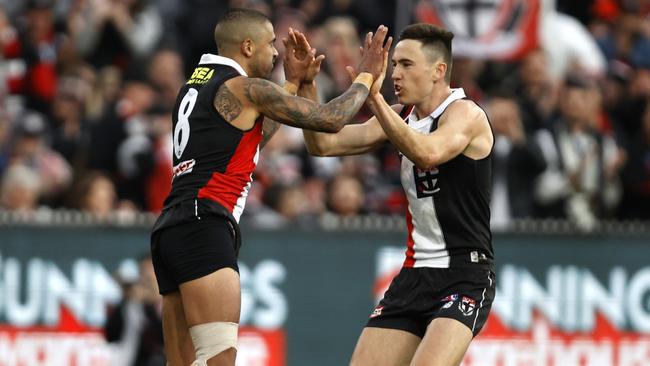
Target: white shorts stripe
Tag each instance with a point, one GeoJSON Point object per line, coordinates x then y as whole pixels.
{"type": "Point", "coordinates": [481, 303]}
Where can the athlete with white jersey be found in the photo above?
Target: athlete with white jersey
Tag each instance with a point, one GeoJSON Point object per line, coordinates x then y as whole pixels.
{"type": "Point", "coordinates": [442, 296]}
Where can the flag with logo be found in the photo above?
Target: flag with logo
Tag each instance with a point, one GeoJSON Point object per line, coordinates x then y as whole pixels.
{"type": "Point", "coordinates": [496, 29]}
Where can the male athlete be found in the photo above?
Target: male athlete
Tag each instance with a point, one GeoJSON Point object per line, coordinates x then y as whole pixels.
{"type": "Point", "coordinates": [441, 298]}
{"type": "Point", "coordinates": [219, 127]}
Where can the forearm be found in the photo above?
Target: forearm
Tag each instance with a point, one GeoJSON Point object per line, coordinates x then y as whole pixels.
{"type": "Point", "coordinates": [270, 126]}
{"type": "Point", "coordinates": [316, 142]}
{"type": "Point", "coordinates": [339, 112]}
{"type": "Point", "coordinates": [303, 113]}
{"type": "Point", "coordinates": [409, 142]}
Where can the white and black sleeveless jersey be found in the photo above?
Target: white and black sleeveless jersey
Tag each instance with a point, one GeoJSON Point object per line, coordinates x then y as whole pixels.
{"type": "Point", "coordinates": [448, 215]}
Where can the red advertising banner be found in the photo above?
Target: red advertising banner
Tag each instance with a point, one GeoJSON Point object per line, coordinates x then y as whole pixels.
{"type": "Point", "coordinates": [73, 344]}
{"type": "Point", "coordinates": [51, 318]}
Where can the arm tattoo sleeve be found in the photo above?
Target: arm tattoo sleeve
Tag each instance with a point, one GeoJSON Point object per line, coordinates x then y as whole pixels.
{"type": "Point", "coordinates": [273, 102]}
{"type": "Point", "coordinates": [227, 103]}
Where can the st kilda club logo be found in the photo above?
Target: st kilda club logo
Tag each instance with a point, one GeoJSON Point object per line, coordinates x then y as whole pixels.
{"type": "Point", "coordinates": [426, 182]}
{"type": "Point", "coordinates": [467, 305]}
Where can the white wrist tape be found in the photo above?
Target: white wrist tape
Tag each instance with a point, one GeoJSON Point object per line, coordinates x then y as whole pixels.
{"type": "Point", "coordinates": [210, 339]}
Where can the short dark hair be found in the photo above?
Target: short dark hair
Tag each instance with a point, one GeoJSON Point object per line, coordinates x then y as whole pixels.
{"type": "Point", "coordinates": [434, 37]}
{"type": "Point", "coordinates": [233, 18]}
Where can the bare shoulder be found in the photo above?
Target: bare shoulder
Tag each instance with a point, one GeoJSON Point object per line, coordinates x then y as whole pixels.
{"type": "Point", "coordinates": [465, 110]}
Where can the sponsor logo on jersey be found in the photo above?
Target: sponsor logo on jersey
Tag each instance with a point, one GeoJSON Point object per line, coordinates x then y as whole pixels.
{"type": "Point", "coordinates": [449, 301]}
{"type": "Point", "coordinates": [467, 306]}
{"type": "Point", "coordinates": [183, 167]}
{"type": "Point", "coordinates": [377, 312]}
{"type": "Point", "coordinates": [201, 75]}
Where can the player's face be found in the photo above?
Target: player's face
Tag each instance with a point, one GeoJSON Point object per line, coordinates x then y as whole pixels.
{"type": "Point", "coordinates": [265, 52]}
{"type": "Point", "coordinates": [413, 72]}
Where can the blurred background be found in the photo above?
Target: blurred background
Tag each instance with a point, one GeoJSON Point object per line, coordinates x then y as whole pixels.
{"type": "Point", "coordinates": [86, 93]}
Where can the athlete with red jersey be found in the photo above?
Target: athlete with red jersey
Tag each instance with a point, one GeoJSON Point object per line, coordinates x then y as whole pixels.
{"type": "Point", "coordinates": [219, 126]}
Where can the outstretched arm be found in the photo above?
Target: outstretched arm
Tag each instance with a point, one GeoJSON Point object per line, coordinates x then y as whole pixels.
{"type": "Point", "coordinates": [273, 102]}
{"type": "Point", "coordinates": [352, 139]}
{"type": "Point", "coordinates": [432, 149]}
{"type": "Point", "coordinates": [270, 100]}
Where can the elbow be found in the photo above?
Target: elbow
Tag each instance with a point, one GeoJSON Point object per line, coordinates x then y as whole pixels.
{"type": "Point", "coordinates": [314, 150]}
{"type": "Point", "coordinates": [319, 151]}
{"type": "Point", "coordinates": [426, 161]}
{"type": "Point", "coordinates": [330, 127]}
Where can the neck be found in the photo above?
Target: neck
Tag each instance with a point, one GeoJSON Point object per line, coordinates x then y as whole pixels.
{"type": "Point", "coordinates": [433, 101]}
{"type": "Point", "coordinates": [241, 60]}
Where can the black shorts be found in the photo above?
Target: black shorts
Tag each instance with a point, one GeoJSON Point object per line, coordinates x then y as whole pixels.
{"type": "Point", "coordinates": [191, 250]}
{"type": "Point", "coordinates": [416, 296]}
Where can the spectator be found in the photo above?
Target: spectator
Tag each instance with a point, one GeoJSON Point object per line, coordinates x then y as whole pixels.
{"type": "Point", "coordinates": [20, 189]}
{"type": "Point", "coordinates": [94, 193]}
{"type": "Point", "coordinates": [71, 134]}
{"type": "Point", "coordinates": [31, 149]}
{"type": "Point", "coordinates": [517, 163]}
{"type": "Point", "coordinates": [158, 183]}
{"type": "Point", "coordinates": [536, 90]}
{"type": "Point", "coordinates": [120, 33]}
{"type": "Point", "coordinates": [636, 174]}
{"type": "Point", "coordinates": [166, 76]}
{"type": "Point", "coordinates": [134, 326]}
{"type": "Point", "coordinates": [33, 52]}
{"type": "Point", "coordinates": [580, 181]}
{"type": "Point", "coordinates": [345, 196]}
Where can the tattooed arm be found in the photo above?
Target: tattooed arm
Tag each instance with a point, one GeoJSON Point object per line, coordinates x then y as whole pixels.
{"type": "Point", "coordinates": [269, 129]}
{"type": "Point", "coordinates": [273, 102]}
{"type": "Point", "coordinates": [255, 97]}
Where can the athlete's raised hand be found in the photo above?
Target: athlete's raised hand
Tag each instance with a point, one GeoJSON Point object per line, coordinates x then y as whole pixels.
{"type": "Point", "coordinates": [296, 59]}
{"type": "Point", "coordinates": [378, 81]}
{"type": "Point", "coordinates": [302, 50]}
{"type": "Point", "coordinates": [373, 52]}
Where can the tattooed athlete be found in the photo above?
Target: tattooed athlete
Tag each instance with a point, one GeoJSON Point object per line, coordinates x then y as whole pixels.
{"type": "Point", "coordinates": [219, 126]}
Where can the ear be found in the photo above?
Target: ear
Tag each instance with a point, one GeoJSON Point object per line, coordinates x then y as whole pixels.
{"type": "Point", "coordinates": [247, 47]}
{"type": "Point", "coordinates": [439, 71]}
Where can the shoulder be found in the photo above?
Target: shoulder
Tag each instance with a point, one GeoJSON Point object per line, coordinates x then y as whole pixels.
{"type": "Point", "coordinates": [467, 109]}
{"type": "Point", "coordinates": [465, 113]}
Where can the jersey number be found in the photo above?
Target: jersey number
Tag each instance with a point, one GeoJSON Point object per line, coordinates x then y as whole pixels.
{"type": "Point", "coordinates": [182, 130]}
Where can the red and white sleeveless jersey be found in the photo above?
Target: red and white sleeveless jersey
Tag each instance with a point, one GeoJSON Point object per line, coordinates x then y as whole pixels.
{"type": "Point", "coordinates": [212, 159]}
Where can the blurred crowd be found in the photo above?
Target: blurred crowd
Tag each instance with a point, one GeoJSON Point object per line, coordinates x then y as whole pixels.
{"type": "Point", "coordinates": [87, 88]}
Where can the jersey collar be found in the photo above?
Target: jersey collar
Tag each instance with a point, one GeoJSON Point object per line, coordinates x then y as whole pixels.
{"type": "Point", "coordinates": [456, 93]}
{"type": "Point", "coordinates": [209, 58]}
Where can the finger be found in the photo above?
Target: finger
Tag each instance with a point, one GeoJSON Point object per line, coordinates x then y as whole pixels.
{"type": "Point", "coordinates": [302, 41]}
{"type": "Point", "coordinates": [351, 72]}
{"type": "Point", "coordinates": [368, 40]}
{"type": "Point", "coordinates": [361, 50]}
{"type": "Point", "coordinates": [389, 43]}
{"type": "Point", "coordinates": [319, 59]}
{"type": "Point", "coordinates": [380, 36]}
{"type": "Point", "coordinates": [292, 32]}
